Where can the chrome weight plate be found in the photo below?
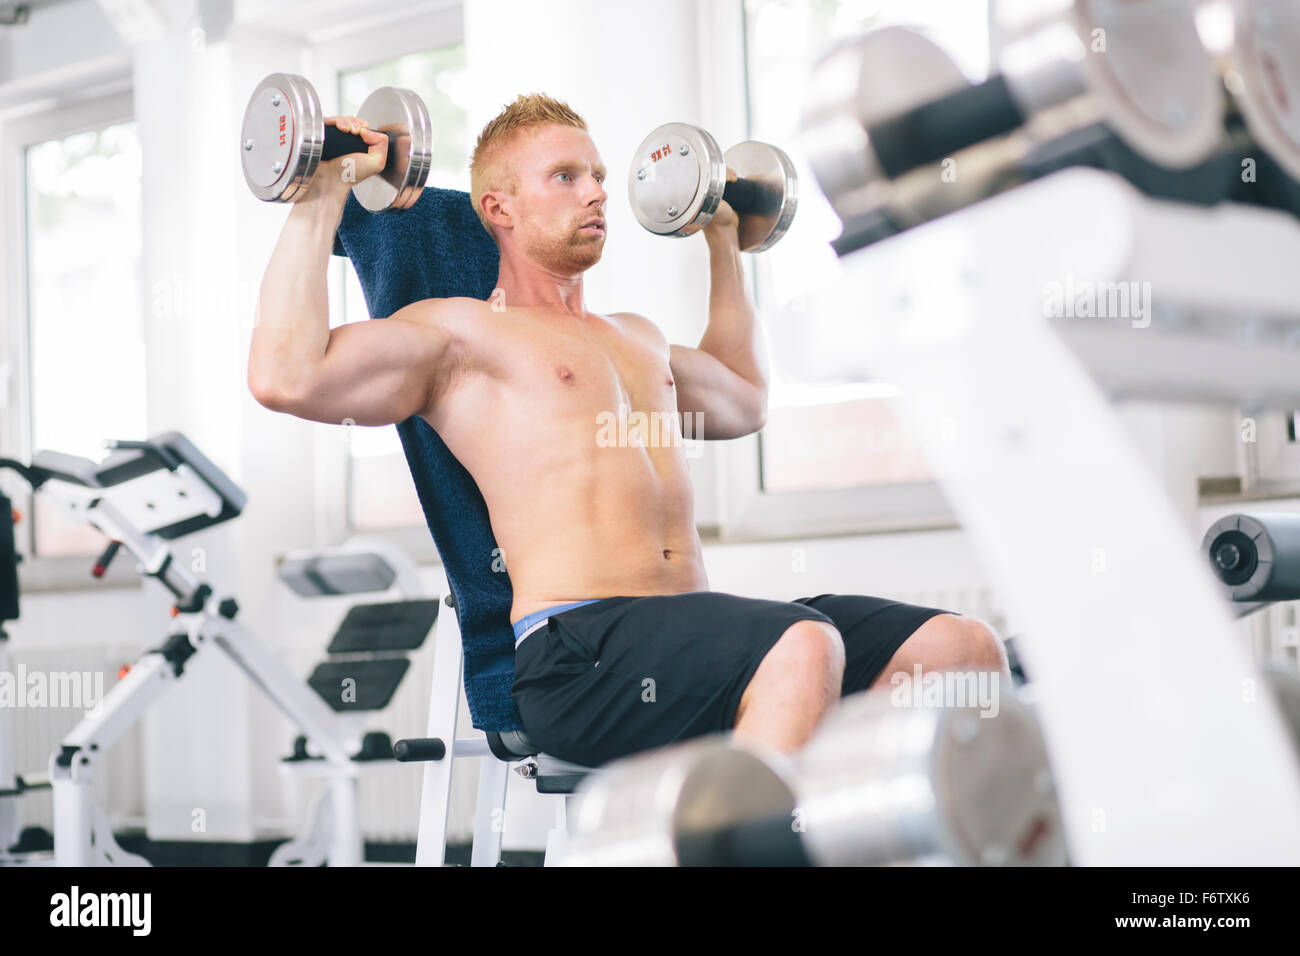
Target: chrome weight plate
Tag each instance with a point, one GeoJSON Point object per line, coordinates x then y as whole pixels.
{"type": "Point", "coordinates": [862, 82]}
{"type": "Point", "coordinates": [676, 180]}
{"type": "Point", "coordinates": [281, 138]}
{"type": "Point", "coordinates": [1266, 57]}
{"type": "Point", "coordinates": [771, 170]}
{"type": "Point", "coordinates": [402, 114]}
{"type": "Point", "coordinates": [1155, 79]}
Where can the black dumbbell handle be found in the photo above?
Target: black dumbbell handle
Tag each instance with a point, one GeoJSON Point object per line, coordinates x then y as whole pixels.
{"type": "Point", "coordinates": [939, 128]}
{"type": "Point", "coordinates": [743, 195]}
{"type": "Point", "coordinates": [767, 841]}
{"type": "Point", "coordinates": [339, 143]}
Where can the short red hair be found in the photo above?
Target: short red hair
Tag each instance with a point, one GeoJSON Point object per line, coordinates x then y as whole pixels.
{"type": "Point", "coordinates": [487, 173]}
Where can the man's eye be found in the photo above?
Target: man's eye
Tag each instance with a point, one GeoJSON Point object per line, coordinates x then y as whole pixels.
{"type": "Point", "coordinates": [562, 174]}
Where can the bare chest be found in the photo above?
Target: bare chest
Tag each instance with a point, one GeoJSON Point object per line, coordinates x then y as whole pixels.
{"type": "Point", "coordinates": [581, 371]}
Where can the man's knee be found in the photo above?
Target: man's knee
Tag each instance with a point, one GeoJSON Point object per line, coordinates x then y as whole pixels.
{"type": "Point", "coordinates": [952, 642]}
{"type": "Point", "coordinates": [806, 662]}
{"type": "Point", "coordinates": [811, 645]}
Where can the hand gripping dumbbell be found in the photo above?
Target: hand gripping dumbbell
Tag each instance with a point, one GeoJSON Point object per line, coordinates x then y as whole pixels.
{"type": "Point", "coordinates": [1068, 77]}
{"type": "Point", "coordinates": [284, 139]}
{"type": "Point", "coordinates": [678, 180]}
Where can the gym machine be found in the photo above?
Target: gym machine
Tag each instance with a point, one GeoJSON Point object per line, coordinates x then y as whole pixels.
{"type": "Point", "coordinates": [1094, 563]}
{"type": "Point", "coordinates": [145, 495]}
{"type": "Point", "coordinates": [1256, 558]}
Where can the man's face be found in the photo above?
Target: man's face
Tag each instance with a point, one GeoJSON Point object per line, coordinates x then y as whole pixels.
{"type": "Point", "coordinates": [560, 190]}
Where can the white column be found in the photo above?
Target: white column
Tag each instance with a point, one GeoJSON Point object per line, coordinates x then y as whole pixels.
{"type": "Point", "coordinates": [206, 242]}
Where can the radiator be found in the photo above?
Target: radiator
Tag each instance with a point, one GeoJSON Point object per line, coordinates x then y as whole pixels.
{"type": "Point", "coordinates": [36, 733]}
{"type": "Point", "coordinates": [389, 795]}
{"type": "Point", "coordinates": [390, 799]}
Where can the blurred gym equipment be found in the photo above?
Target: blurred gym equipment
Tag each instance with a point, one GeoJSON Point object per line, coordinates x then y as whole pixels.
{"type": "Point", "coordinates": [880, 783]}
{"type": "Point", "coordinates": [1054, 300]}
{"type": "Point", "coordinates": [1257, 557]}
{"type": "Point", "coordinates": [897, 136]}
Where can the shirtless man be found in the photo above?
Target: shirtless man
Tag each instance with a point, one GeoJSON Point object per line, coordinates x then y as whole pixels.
{"type": "Point", "coordinates": [610, 589]}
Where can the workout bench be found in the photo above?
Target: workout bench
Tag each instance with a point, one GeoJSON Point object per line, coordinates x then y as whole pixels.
{"type": "Point", "coordinates": [500, 749]}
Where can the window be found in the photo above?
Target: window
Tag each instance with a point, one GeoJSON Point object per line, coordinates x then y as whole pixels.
{"type": "Point", "coordinates": [84, 324]}
{"type": "Point", "coordinates": [827, 442]}
{"type": "Point", "coordinates": [380, 491]}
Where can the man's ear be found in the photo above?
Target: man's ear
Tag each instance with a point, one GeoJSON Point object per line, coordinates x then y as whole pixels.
{"type": "Point", "coordinates": [494, 211]}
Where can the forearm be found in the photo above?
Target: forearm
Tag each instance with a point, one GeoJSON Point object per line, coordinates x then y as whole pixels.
{"type": "Point", "coordinates": [733, 334]}
{"type": "Point", "coordinates": [292, 329]}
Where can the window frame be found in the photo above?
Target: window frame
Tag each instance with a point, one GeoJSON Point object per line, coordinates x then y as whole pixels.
{"type": "Point", "coordinates": [51, 113]}
{"type": "Point", "coordinates": [746, 510]}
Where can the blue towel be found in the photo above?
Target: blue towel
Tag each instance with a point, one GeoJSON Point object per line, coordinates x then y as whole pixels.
{"type": "Point", "coordinates": [439, 249]}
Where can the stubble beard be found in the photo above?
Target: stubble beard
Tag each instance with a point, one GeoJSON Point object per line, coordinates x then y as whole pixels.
{"type": "Point", "coordinates": [568, 254]}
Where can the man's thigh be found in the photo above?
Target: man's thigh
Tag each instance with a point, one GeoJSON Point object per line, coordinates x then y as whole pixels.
{"type": "Point", "coordinates": [873, 629]}
{"type": "Point", "coordinates": [629, 673]}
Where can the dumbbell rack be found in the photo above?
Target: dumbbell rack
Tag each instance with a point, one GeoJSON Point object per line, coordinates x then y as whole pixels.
{"type": "Point", "coordinates": [1166, 745]}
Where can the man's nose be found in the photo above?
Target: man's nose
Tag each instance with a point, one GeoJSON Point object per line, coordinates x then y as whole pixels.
{"type": "Point", "coordinates": [597, 194]}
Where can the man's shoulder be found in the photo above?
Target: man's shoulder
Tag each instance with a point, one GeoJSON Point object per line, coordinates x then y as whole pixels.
{"type": "Point", "coordinates": [455, 312]}
{"type": "Point", "coordinates": [458, 305]}
{"type": "Point", "coordinates": [637, 324]}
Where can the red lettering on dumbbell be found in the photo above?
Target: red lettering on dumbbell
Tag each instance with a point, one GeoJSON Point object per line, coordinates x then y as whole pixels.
{"type": "Point", "coordinates": [282, 127]}
{"type": "Point", "coordinates": [661, 152]}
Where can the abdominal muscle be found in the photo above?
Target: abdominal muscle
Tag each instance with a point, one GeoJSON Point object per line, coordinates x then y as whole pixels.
{"type": "Point", "coordinates": [602, 522]}
{"type": "Point", "coordinates": [574, 520]}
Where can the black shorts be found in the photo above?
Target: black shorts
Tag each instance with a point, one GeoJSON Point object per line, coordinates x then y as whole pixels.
{"type": "Point", "coordinates": [625, 674]}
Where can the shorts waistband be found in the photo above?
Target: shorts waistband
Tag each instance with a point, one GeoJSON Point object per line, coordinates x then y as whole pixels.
{"type": "Point", "coordinates": [531, 622]}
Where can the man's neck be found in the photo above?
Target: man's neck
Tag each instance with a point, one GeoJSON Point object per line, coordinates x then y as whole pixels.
{"type": "Point", "coordinates": [527, 285]}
